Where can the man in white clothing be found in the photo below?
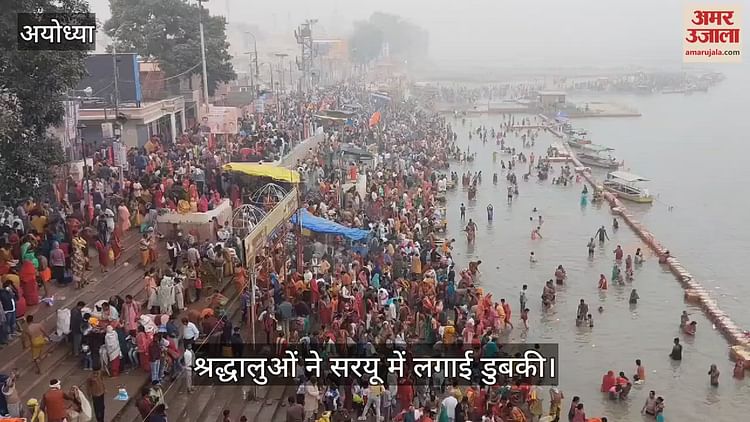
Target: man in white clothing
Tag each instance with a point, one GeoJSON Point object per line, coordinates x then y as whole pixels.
{"type": "Point", "coordinates": [188, 357]}
{"type": "Point", "coordinates": [450, 403]}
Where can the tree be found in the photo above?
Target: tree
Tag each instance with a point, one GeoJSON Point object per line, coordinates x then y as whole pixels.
{"type": "Point", "coordinates": [168, 31]}
{"type": "Point", "coordinates": [32, 87]}
{"type": "Point", "coordinates": [404, 39]}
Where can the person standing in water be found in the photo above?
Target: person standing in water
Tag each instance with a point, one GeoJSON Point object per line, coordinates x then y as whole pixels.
{"type": "Point", "coordinates": [684, 319]}
{"type": "Point", "coordinates": [601, 233]}
{"type": "Point", "coordinates": [510, 194]}
{"type": "Point", "coordinates": [591, 246]}
{"type": "Point", "coordinates": [602, 282]}
{"type": "Point", "coordinates": [618, 253]}
{"type": "Point", "coordinates": [676, 350]}
{"type": "Point", "coordinates": [629, 268]}
{"type": "Point", "coordinates": [634, 297]}
{"type": "Point", "coordinates": [463, 211]}
{"type": "Point", "coordinates": [638, 257]}
{"type": "Point", "coordinates": [583, 311]}
{"type": "Point", "coordinates": [640, 372]}
{"type": "Point", "coordinates": [490, 212]}
{"type": "Point", "coordinates": [615, 224]}
{"type": "Point", "coordinates": [713, 374]}
{"type": "Point", "coordinates": [649, 408]}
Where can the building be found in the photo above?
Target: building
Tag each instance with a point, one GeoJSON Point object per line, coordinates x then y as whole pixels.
{"type": "Point", "coordinates": [137, 100]}
{"type": "Point", "coordinates": [162, 117]}
{"type": "Point", "coordinates": [551, 98]}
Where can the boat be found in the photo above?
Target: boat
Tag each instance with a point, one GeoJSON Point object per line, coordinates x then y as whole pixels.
{"type": "Point", "coordinates": [591, 155]}
{"type": "Point", "coordinates": [625, 186]}
{"type": "Point", "coordinates": [577, 142]}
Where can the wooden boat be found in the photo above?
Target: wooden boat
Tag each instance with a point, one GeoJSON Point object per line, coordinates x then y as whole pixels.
{"type": "Point", "coordinates": [625, 186]}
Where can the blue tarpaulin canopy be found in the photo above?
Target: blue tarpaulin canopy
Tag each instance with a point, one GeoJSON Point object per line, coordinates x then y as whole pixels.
{"type": "Point", "coordinates": [321, 225]}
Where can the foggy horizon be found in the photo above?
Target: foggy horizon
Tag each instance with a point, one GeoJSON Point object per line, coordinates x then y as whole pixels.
{"type": "Point", "coordinates": [547, 34]}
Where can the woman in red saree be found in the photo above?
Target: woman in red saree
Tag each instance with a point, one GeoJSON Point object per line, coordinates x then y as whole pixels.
{"type": "Point", "coordinates": [116, 244]}
{"type": "Point", "coordinates": [103, 254]}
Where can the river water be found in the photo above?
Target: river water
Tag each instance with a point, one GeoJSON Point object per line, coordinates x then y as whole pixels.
{"type": "Point", "coordinates": [694, 163]}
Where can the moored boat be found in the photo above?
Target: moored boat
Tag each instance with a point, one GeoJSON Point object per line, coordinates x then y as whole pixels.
{"type": "Point", "coordinates": [592, 156]}
{"type": "Point", "coordinates": [594, 160]}
{"type": "Point", "coordinates": [625, 186]}
{"type": "Point", "coordinates": [578, 142]}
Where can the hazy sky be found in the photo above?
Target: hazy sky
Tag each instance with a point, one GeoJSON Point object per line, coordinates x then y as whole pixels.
{"type": "Point", "coordinates": [505, 32]}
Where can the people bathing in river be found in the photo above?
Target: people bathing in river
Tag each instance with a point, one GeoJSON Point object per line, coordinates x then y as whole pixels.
{"type": "Point", "coordinates": [618, 253]}
{"type": "Point", "coordinates": [633, 297]}
{"type": "Point", "coordinates": [591, 247]}
{"type": "Point", "coordinates": [463, 211]}
{"type": "Point", "coordinates": [525, 317]}
{"type": "Point", "coordinates": [629, 268]}
{"type": "Point", "coordinates": [676, 353]}
{"type": "Point", "coordinates": [548, 295]}
{"type": "Point", "coordinates": [532, 258]}
{"type": "Point", "coordinates": [615, 224]}
{"type": "Point", "coordinates": [690, 328]}
{"type": "Point", "coordinates": [560, 275]}
{"type": "Point", "coordinates": [608, 381]}
{"type": "Point", "coordinates": [490, 212]}
{"type": "Point", "coordinates": [684, 318]}
{"type": "Point", "coordinates": [649, 407]}
{"type": "Point", "coordinates": [638, 257]}
{"type": "Point", "coordinates": [603, 282]}
{"type": "Point", "coordinates": [536, 233]}
{"type": "Point", "coordinates": [739, 369]}
{"type": "Point", "coordinates": [713, 375]}
{"type": "Point", "coordinates": [601, 233]}
{"type": "Point", "coordinates": [663, 258]}
{"type": "Point", "coordinates": [582, 313]}
{"type": "Point", "coordinates": [616, 274]}
{"type": "Point", "coordinates": [640, 373]}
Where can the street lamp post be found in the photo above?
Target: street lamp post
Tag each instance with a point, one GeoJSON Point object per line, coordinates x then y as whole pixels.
{"type": "Point", "coordinates": [255, 51]}
{"type": "Point", "coordinates": [85, 176]}
{"type": "Point", "coordinates": [203, 55]}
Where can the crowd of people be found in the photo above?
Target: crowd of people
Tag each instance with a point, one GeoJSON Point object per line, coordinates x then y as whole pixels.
{"type": "Point", "coordinates": [400, 288]}
{"type": "Point", "coordinates": [45, 248]}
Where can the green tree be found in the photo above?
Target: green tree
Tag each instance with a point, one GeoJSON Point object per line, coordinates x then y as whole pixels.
{"type": "Point", "coordinates": [32, 87]}
{"type": "Point", "coordinates": [168, 31]}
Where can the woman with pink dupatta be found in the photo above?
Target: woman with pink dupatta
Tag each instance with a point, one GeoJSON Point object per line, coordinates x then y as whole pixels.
{"type": "Point", "coordinates": [131, 311]}
{"type": "Point", "coordinates": [123, 217]}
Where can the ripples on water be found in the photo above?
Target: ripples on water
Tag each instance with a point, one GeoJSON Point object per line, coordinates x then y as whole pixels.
{"type": "Point", "coordinates": [621, 333]}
